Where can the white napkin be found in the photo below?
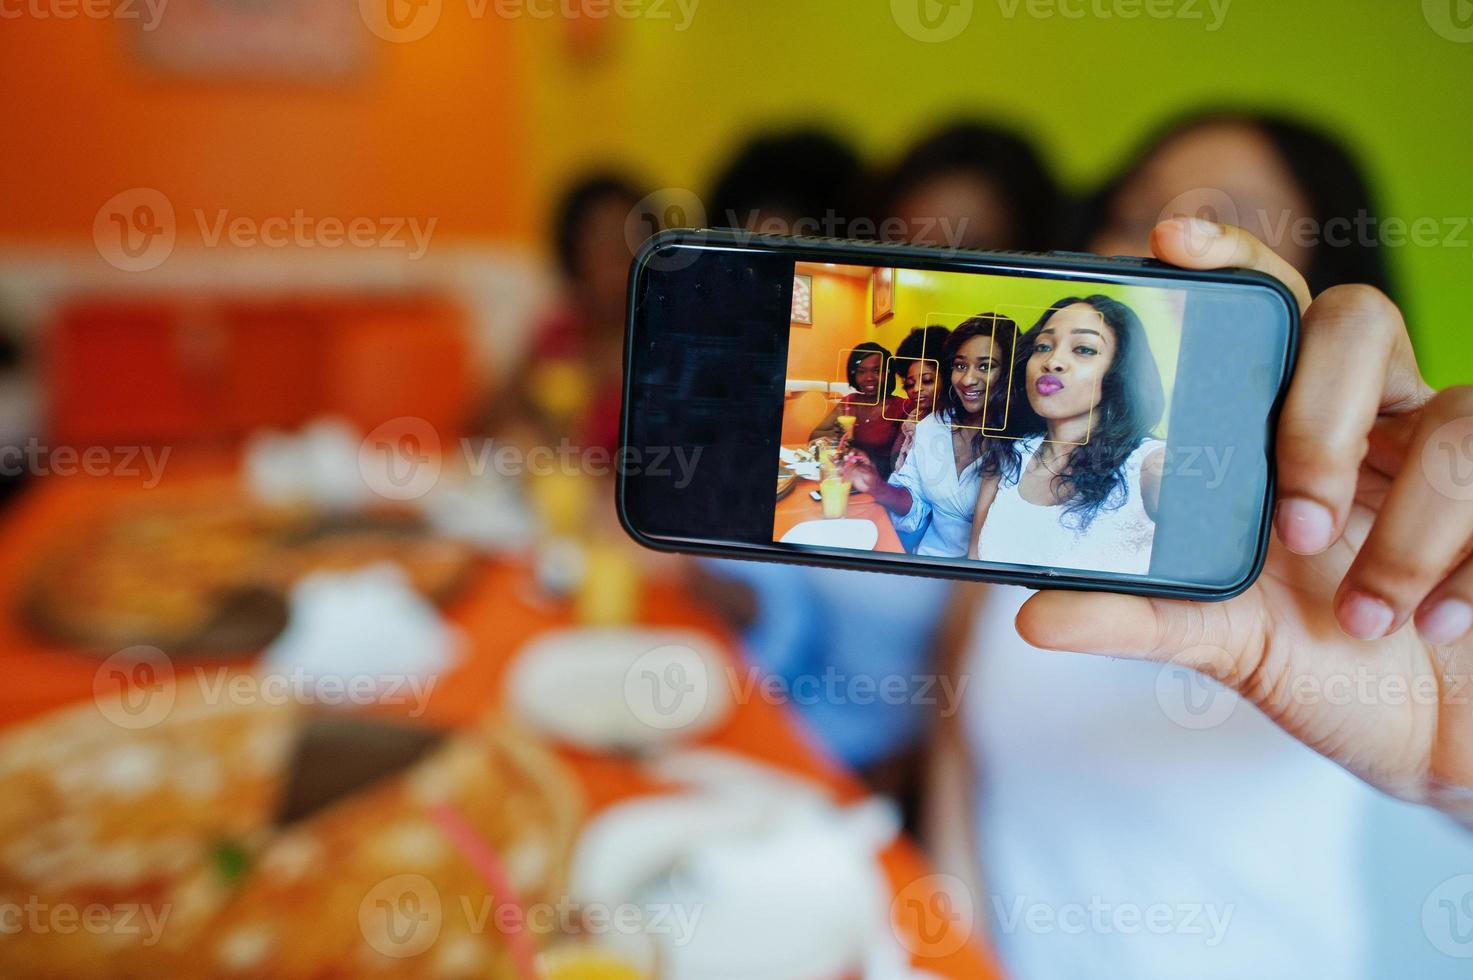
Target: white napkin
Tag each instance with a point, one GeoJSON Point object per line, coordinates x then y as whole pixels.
{"type": "Point", "coordinates": [763, 880]}
{"type": "Point", "coordinates": [362, 637]}
{"type": "Point", "coordinates": [319, 465]}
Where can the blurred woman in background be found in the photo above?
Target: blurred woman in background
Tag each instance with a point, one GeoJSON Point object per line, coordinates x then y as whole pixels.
{"type": "Point", "coordinates": [969, 185]}
{"type": "Point", "coordinates": [570, 384]}
{"type": "Point", "coordinates": [1071, 779]}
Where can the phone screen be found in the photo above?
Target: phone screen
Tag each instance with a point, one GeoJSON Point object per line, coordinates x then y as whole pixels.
{"type": "Point", "coordinates": [1102, 427]}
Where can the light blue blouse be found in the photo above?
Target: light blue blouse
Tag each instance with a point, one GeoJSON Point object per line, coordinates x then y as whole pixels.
{"type": "Point", "coordinates": [942, 502]}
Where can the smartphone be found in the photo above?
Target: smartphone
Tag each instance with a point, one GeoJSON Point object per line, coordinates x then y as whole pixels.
{"type": "Point", "coordinates": [1052, 420]}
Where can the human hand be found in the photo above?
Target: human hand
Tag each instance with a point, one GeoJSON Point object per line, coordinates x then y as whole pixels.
{"type": "Point", "coordinates": [1368, 588]}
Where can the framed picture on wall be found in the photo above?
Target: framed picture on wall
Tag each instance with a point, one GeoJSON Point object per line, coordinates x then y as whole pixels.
{"type": "Point", "coordinates": [882, 294]}
{"type": "Point", "coordinates": [803, 300]}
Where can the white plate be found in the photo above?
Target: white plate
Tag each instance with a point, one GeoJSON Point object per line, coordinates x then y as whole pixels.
{"type": "Point", "coordinates": [620, 689]}
{"type": "Point", "coordinates": [848, 532]}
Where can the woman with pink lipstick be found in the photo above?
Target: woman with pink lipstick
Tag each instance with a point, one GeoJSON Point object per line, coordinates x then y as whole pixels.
{"type": "Point", "coordinates": [935, 489]}
{"type": "Point", "coordinates": [1085, 491]}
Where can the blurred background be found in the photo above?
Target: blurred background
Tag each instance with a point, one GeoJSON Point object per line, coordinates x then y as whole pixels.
{"type": "Point", "coordinates": [246, 245]}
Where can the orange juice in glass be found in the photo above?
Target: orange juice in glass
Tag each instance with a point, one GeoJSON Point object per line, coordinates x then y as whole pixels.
{"type": "Point", "coordinates": [835, 493]}
{"type": "Point", "coordinates": [833, 488]}
{"type": "Point", "coordinates": [846, 422]}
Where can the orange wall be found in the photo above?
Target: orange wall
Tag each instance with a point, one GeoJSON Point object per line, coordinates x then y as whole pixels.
{"type": "Point", "coordinates": [840, 321]}
{"type": "Point", "coordinates": [429, 129]}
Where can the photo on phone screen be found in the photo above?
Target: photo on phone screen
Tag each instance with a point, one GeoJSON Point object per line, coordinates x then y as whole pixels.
{"type": "Point", "coordinates": [1068, 420]}
{"type": "Point", "coordinates": [1026, 419]}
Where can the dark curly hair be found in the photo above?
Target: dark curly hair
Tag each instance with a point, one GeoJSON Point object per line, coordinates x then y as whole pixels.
{"type": "Point", "coordinates": [999, 456]}
{"type": "Point", "coordinates": [927, 342]}
{"type": "Point", "coordinates": [1132, 402]}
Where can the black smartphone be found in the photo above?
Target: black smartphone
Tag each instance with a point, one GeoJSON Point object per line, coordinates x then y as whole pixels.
{"type": "Point", "coordinates": [1056, 420]}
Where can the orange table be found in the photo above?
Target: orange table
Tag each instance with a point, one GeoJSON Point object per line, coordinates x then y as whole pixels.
{"type": "Point", "coordinates": [500, 614]}
{"type": "Point", "coordinates": [798, 507]}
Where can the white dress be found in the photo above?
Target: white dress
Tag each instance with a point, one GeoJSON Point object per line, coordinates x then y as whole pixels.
{"type": "Point", "coordinates": [937, 493]}
{"type": "Point", "coordinates": [1141, 823]}
{"type": "Point", "coordinates": [1117, 540]}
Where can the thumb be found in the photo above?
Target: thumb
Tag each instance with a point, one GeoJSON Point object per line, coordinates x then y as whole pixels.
{"type": "Point", "coordinates": [1200, 636]}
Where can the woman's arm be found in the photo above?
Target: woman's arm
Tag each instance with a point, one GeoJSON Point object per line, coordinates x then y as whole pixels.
{"type": "Point", "coordinates": [865, 477]}
{"type": "Point", "coordinates": [984, 504]}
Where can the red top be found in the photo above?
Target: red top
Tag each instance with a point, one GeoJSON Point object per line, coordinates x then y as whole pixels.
{"type": "Point", "coordinates": [563, 336]}
{"type": "Point", "coordinates": [877, 437]}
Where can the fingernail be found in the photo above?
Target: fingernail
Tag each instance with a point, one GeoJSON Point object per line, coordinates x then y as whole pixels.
{"type": "Point", "coordinates": [1446, 621]}
{"type": "Point", "coordinates": [1304, 526]}
{"type": "Point", "coordinates": [1365, 617]}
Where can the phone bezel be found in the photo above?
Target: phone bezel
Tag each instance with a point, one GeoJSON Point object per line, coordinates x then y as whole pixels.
{"type": "Point", "coordinates": [1063, 265]}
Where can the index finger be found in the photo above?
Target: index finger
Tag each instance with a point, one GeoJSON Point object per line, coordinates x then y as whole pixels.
{"type": "Point", "coordinates": [1193, 243]}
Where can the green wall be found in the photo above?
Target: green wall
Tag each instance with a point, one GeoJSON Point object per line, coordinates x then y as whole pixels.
{"type": "Point", "coordinates": [672, 103]}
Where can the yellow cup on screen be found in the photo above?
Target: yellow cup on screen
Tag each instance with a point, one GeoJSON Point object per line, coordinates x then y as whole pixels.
{"type": "Point", "coordinates": [835, 494]}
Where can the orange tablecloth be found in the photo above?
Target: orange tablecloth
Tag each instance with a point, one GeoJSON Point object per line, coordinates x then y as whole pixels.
{"type": "Point", "coordinates": [499, 615]}
{"type": "Point", "coordinates": [798, 507]}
